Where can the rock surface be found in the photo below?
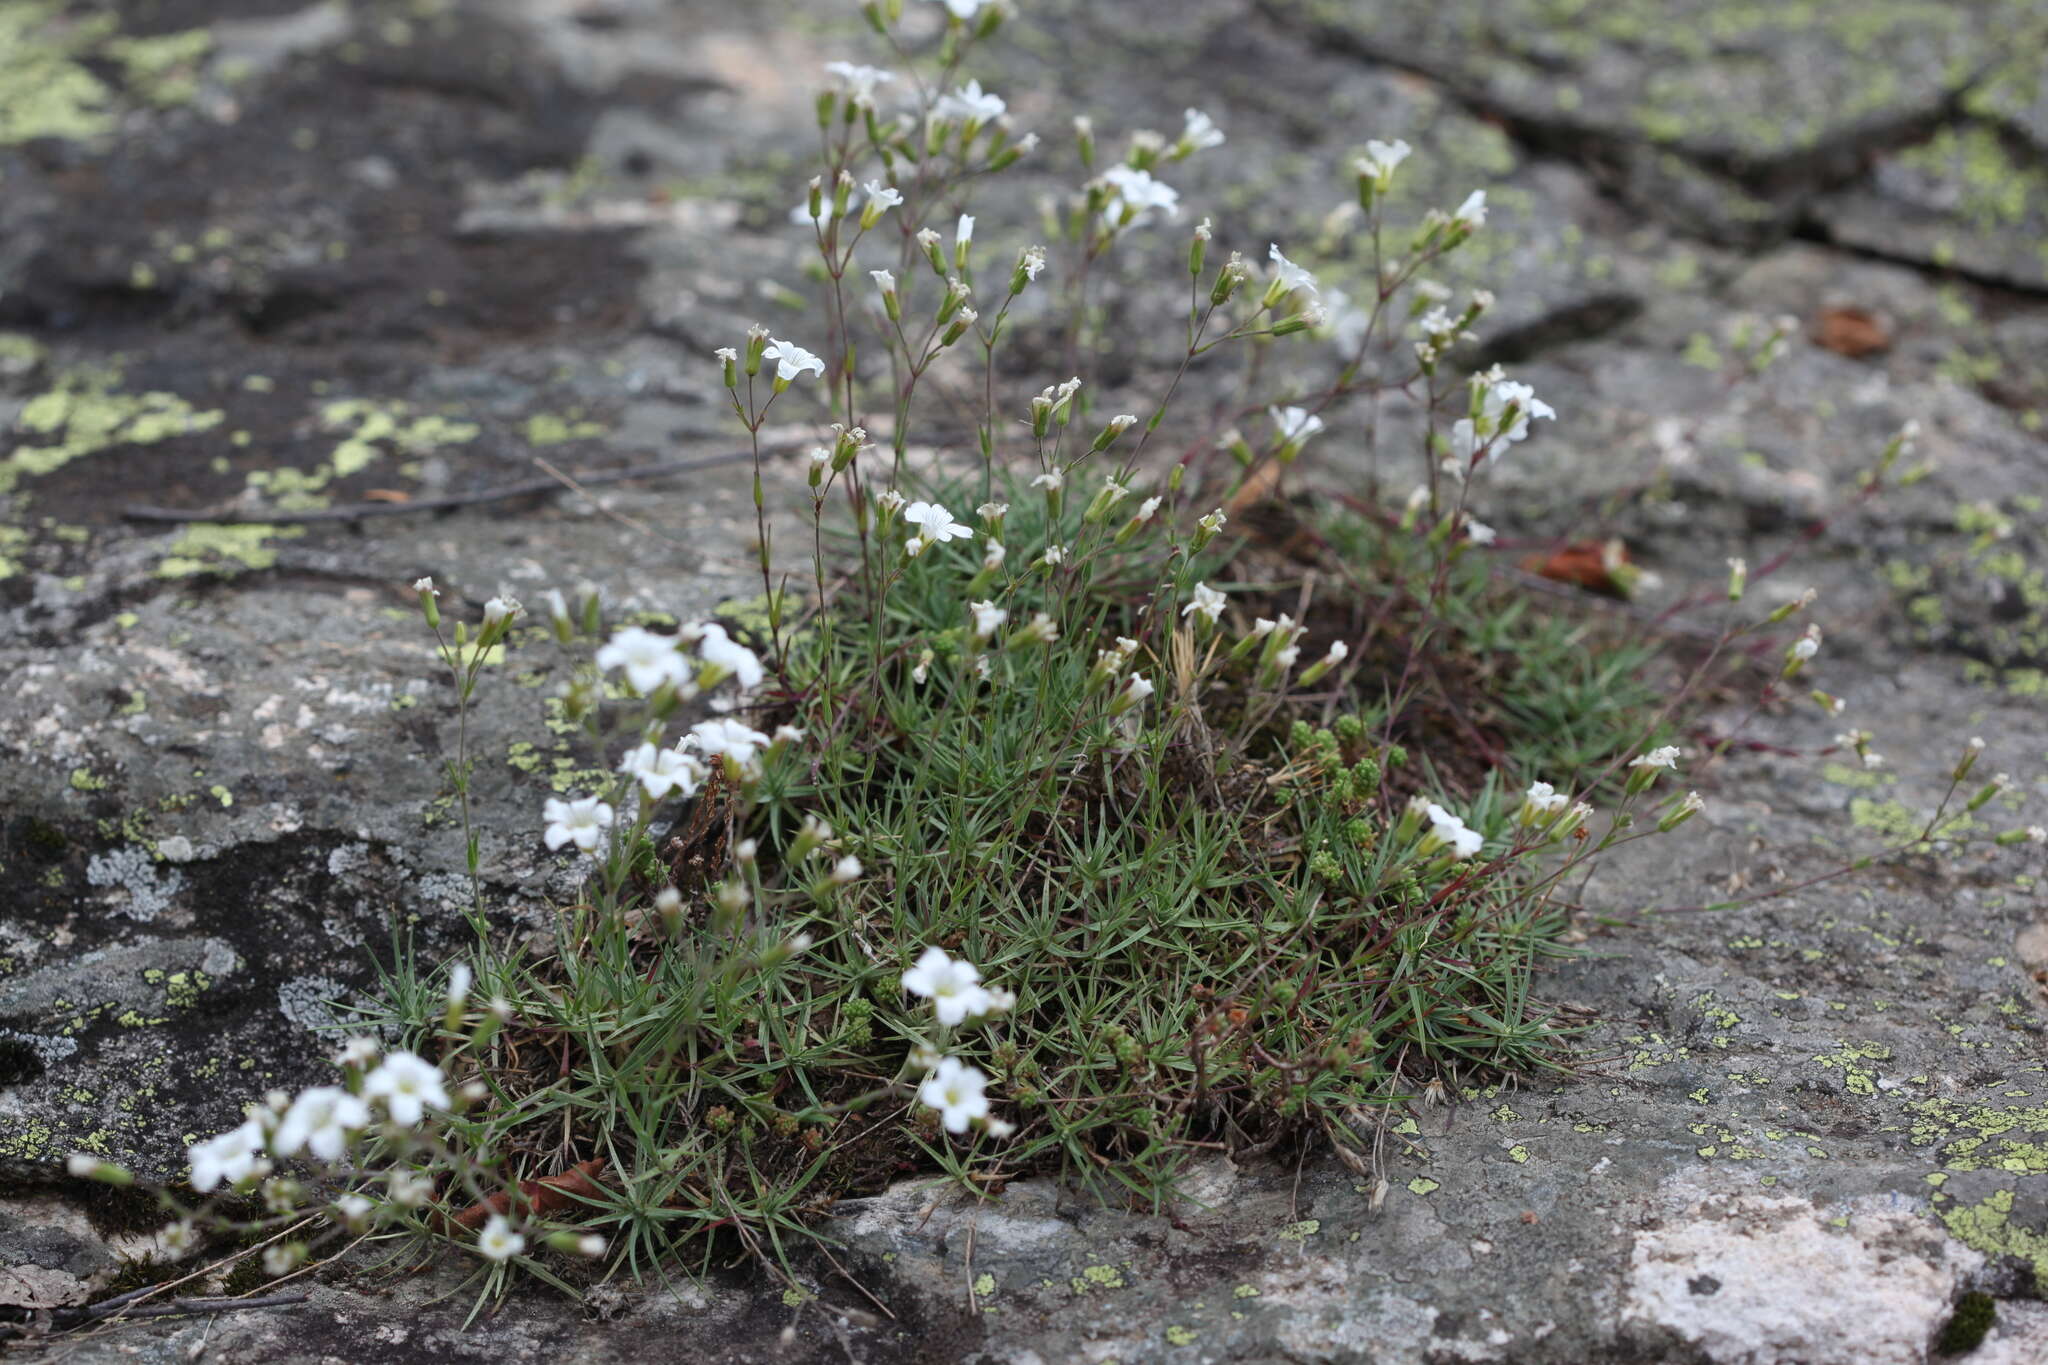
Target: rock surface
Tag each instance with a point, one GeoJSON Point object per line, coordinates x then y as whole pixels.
{"type": "Point", "coordinates": [273, 258]}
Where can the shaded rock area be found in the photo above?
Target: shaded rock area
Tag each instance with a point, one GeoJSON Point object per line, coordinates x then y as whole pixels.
{"type": "Point", "coordinates": [260, 259]}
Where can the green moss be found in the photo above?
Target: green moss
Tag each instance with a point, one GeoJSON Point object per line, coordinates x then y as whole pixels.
{"type": "Point", "coordinates": [1975, 1314]}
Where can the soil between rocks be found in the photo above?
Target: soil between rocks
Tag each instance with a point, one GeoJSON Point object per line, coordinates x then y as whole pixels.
{"type": "Point", "coordinates": [404, 250]}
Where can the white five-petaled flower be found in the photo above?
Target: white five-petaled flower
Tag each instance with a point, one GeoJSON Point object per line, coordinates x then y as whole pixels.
{"type": "Point", "coordinates": [791, 360]}
{"type": "Point", "coordinates": [1472, 213]}
{"type": "Point", "coordinates": [727, 737]}
{"type": "Point", "coordinates": [953, 985]}
{"type": "Point", "coordinates": [648, 659]}
{"type": "Point", "coordinates": [970, 102]}
{"type": "Point", "coordinates": [408, 1085]}
{"type": "Point", "coordinates": [1381, 158]}
{"type": "Point", "coordinates": [581, 822]}
{"type": "Point", "coordinates": [660, 771]}
{"type": "Point", "coordinates": [956, 1090]}
{"type": "Point", "coordinates": [1544, 799]}
{"type": "Point", "coordinates": [497, 1241]}
{"type": "Point", "coordinates": [1136, 191]}
{"type": "Point", "coordinates": [935, 523]}
{"type": "Point", "coordinates": [1296, 424]}
{"type": "Point", "coordinates": [1666, 757]}
{"type": "Point", "coordinates": [1451, 831]}
{"type": "Point", "coordinates": [720, 650]}
{"type": "Point", "coordinates": [988, 617]}
{"type": "Point", "coordinates": [319, 1122]}
{"type": "Point", "coordinates": [228, 1159]}
{"type": "Point", "coordinates": [880, 196]}
{"type": "Point", "coordinates": [963, 9]}
{"type": "Point", "coordinates": [860, 80]}
{"type": "Point", "coordinates": [1207, 602]}
{"type": "Point", "coordinates": [1200, 131]}
{"type": "Point", "coordinates": [1287, 274]}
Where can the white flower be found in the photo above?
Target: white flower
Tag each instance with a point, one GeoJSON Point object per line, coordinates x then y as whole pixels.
{"type": "Point", "coordinates": [860, 80]}
{"type": "Point", "coordinates": [1544, 799]}
{"type": "Point", "coordinates": [956, 1091]}
{"type": "Point", "coordinates": [357, 1052]}
{"type": "Point", "coordinates": [963, 231]}
{"type": "Point", "coordinates": [963, 9]}
{"type": "Point", "coordinates": [970, 103]}
{"type": "Point", "coordinates": [881, 197]}
{"type": "Point", "coordinates": [889, 502]}
{"type": "Point", "coordinates": [1666, 757]}
{"type": "Point", "coordinates": [729, 737]}
{"type": "Point", "coordinates": [1296, 424]}
{"type": "Point", "coordinates": [409, 1189]}
{"type": "Point", "coordinates": [884, 281]}
{"type": "Point", "coordinates": [721, 651]}
{"type": "Point", "coordinates": [1136, 688]}
{"type": "Point", "coordinates": [1807, 645]}
{"type": "Point", "coordinates": [791, 360]}
{"type": "Point", "coordinates": [353, 1208]}
{"type": "Point", "coordinates": [581, 822]}
{"type": "Point", "coordinates": [282, 1259]}
{"type": "Point", "coordinates": [847, 869]}
{"type": "Point", "coordinates": [497, 1241]}
{"type": "Point", "coordinates": [1050, 480]}
{"type": "Point", "coordinates": [1137, 192]}
{"type": "Point", "coordinates": [1053, 554]}
{"type": "Point", "coordinates": [649, 659]}
{"type": "Point", "coordinates": [660, 771]}
{"type": "Point", "coordinates": [425, 585]}
{"type": "Point", "coordinates": [1479, 533]}
{"type": "Point", "coordinates": [408, 1085]}
{"type": "Point", "coordinates": [499, 610]}
{"type": "Point", "coordinates": [228, 1159]}
{"type": "Point", "coordinates": [1200, 132]}
{"type": "Point", "coordinates": [1448, 829]}
{"type": "Point", "coordinates": [1287, 274]}
{"type": "Point", "coordinates": [1472, 213]}
{"type": "Point", "coordinates": [951, 984]}
{"type": "Point", "coordinates": [1381, 158]}
{"type": "Point", "coordinates": [936, 522]}
{"type": "Point", "coordinates": [1207, 601]}
{"type": "Point", "coordinates": [987, 618]}
{"type": "Point", "coordinates": [320, 1121]}
{"type": "Point", "coordinates": [1032, 261]}
{"type": "Point", "coordinates": [459, 978]}
{"type": "Point", "coordinates": [1526, 404]}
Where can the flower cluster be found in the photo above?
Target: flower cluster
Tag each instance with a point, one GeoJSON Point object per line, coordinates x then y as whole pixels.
{"type": "Point", "coordinates": [955, 1089]}
{"type": "Point", "coordinates": [322, 1121]}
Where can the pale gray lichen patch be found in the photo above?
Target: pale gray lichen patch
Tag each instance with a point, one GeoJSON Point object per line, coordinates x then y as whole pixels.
{"type": "Point", "coordinates": [49, 1049]}
{"type": "Point", "coordinates": [137, 888]}
{"type": "Point", "coordinates": [308, 1001]}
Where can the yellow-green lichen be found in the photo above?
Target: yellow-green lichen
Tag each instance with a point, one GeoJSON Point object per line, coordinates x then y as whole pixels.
{"type": "Point", "coordinates": [209, 547]}
{"type": "Point", "coordinates": [1987, 1227]}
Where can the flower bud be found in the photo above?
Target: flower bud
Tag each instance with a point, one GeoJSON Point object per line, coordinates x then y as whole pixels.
{"type": "Point", "coordinates": [1738, 578]}
{"type": "Point", "coordinates": [431, 608]}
